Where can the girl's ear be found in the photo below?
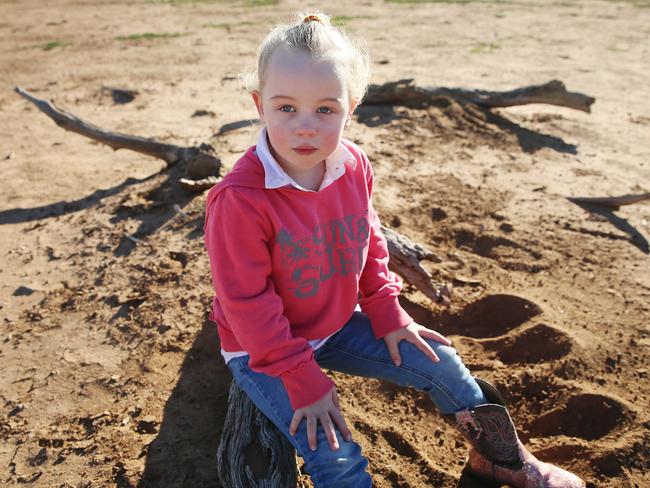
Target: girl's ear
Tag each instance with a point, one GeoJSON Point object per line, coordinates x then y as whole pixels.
{"type": "Point", "coordinates": [257, 98]}
{"type": "Point", "coordinates": [348, 119]}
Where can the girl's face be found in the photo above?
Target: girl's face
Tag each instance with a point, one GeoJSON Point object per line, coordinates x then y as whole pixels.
{"type": "Point", "coordinates": [305, 106]}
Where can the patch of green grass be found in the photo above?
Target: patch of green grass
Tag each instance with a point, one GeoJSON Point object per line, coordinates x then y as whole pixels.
{"type": "Point", "coordinates": [616, 49]}
{"type": "Point", "coordinates": [225, 25]}
{"type": "Point", "coordinates": [52, 44]}
{"type": "Point", "coordinates": [150, 35]}
{"type": "Point", "coordinates": [260, 3]}
{"type": "Point", "coordinates": [485, 47]}
{"type": "Point", "coordinates": [341, 20]}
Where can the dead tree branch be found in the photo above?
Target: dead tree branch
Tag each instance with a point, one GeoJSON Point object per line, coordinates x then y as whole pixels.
{"type": "Point", "coordinates": [406, 92]}
{"type": "Point", "coordinates": [405, 257]}
{"type": "Point", "coordinates": [201, 161]}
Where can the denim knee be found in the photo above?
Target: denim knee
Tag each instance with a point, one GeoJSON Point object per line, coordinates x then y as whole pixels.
{"type": "Point", "coordinates": [453, 387]}
{"type": "Point", "coordinates": [344, 467]}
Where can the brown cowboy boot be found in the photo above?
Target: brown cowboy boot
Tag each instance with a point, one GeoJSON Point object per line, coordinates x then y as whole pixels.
{"type": "Point", "coordinates": [498, 454]}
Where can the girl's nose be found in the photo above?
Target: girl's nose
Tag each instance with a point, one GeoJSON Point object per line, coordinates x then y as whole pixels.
{"type": "Point", "coordinates": [305, 128]}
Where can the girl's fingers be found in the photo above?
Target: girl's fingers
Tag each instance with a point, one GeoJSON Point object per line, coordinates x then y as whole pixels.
{"type": "Point", "coordinates": [340, 423]}
{"type": "Point", "coordinates": [436, 336]}
{"type": "Point", "coordinates": [311, 433]}
{"type": "Point", "coordinates": [335, 398]}
{"type": "Point", "coordinates": [426, 349]}
{"type": "Point", "coordinates": [295, 422]}
{"type": "Point", "coordinates": [393, 350]}
{"type": "Point", "coordinates": [328, 428]}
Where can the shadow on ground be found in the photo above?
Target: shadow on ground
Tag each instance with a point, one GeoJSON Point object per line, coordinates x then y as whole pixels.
{"type": "Point", "coordinates": [530, 141]}
{"type": "Point", "coordinates": [467, 117]}
{"type": "Point", "coordinates": [162, 201]}
{"type": "Point", "coordinates": [18, 215]}
{"type": "Point", "coordinates": [635, 237]}
{"type": "Point", "coordinates": [184, 453]}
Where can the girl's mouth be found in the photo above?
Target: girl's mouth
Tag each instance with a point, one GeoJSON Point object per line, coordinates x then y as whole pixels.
{"type": "Point", "coordinates": [305, 150]}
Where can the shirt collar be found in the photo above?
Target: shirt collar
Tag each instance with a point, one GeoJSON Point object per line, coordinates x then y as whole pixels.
{"type": "Point", "coordinates": [276, 177]}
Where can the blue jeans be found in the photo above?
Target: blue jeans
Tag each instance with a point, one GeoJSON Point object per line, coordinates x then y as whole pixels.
{"type": "Point", "coordinates": [355, 350]}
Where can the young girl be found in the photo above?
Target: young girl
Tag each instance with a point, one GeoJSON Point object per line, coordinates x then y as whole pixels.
{"type": "Point", "coordinates": [295, 249]}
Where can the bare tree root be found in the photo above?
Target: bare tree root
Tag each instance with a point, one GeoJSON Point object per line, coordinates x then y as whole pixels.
{"type": "Point", "coordinates": [201, 161]}
{"type": "Point", "coordinates": [406, 92]}
{"type": "Point", "coordinates": [405, 257]}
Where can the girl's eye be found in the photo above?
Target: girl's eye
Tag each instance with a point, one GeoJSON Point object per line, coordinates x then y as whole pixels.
{"type": "Point", "coordinates": [324, 110]}
{"type": "Point", "coordinates": [286, 108]}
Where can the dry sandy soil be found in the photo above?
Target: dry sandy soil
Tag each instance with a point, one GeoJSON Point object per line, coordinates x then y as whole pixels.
{"type": "Point", "coordinates": [109, 369]}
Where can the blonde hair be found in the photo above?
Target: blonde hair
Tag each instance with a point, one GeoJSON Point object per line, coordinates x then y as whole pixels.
{"type": "Point", "coordinates": [315, 34]}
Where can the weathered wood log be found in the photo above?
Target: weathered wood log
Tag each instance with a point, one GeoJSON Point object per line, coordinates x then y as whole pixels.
{"type": "Point", "coordinates": [253, 452]}
{"type": "Point", "coordinates": [611, 202]}
{"type": "Point", "coordinates": [406, 92]}
{"type": "Point", "coordinates": [201, 161]}
{"type": "Point", "coordinates": [405, 257]}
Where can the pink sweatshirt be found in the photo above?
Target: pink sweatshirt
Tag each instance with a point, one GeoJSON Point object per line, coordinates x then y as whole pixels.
{"type": "Point", "coordinates": [288, 267]}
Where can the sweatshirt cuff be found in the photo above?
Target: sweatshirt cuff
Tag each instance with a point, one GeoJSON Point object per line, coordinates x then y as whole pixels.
{"type": "Point", "coordinates": [387, 316]}
{"type": "Point", "coordinates": [306, 384]}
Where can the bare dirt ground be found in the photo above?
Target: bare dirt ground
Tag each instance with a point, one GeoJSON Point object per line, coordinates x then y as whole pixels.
{"type": "Point", "coordinates": [109, 369]}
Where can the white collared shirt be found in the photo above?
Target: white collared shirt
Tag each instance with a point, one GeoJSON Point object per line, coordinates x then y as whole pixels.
{"type": "Point", "coordinates": [276, 177]}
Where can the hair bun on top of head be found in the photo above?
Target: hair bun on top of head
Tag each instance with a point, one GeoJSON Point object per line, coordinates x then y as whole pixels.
{"type": "Point", "coordinates": [312, 18]}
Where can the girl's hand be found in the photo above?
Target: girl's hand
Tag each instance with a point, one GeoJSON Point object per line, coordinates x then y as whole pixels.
{"type": "Point", "coordinates": [325, 410]}
{"type": "Point", "coordinates": [414, 333]}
